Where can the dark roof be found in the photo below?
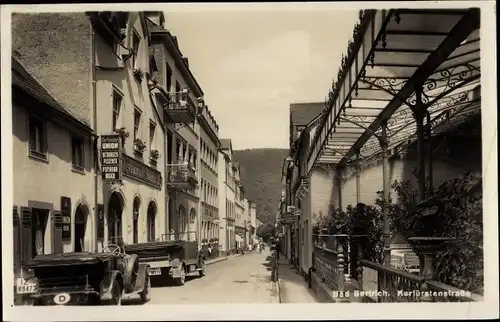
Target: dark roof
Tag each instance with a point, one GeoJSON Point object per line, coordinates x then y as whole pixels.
{"type": "Point", "coordinates": [152, 26]}
{"type": "Point", "coordinates": [225, 144]}
{"type": "Point", "coordinates": [27, 83]}
{"type": "Point", "coordinates": [303, 113]}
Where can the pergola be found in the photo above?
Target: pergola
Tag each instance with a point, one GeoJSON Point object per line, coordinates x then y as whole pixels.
{"type": "Point", "coordinates": [407, 74]}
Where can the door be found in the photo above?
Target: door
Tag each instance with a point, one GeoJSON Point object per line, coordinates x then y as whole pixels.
{"type": "Point", "coordinates": [80, 228]}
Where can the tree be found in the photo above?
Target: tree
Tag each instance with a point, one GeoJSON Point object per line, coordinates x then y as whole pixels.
{"type": "Point", "coordinates": [266, 231]}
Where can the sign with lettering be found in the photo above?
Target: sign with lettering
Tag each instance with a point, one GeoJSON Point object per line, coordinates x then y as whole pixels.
{"type": "Point", "coordinates": [141, 172]}
{"type": "Point", "coordinates": [288, 219]}
{"type": "Point", "coordinates": [66, 218]}
{"type": "Point", "coordinates": [111, 157]}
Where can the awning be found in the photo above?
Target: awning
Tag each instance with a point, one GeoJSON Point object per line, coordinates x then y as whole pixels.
{"type": "Point", "coordinates": [394, 52]}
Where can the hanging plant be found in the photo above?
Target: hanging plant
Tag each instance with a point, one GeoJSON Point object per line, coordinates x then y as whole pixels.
{"type": "Point", "coordinates": [154, 154]}
{"type": "Point", "coordinates": [122, 133]}
{"type": "Point", "coordinates": [140, 145]}
{"type": "Point", "coordinates": [138, 74]}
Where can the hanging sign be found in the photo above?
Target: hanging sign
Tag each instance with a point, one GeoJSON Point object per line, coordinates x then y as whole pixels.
{"type": "Point", "coordinates": [111, 166]}
{"type": "Point", "coordinates": [66, 218]}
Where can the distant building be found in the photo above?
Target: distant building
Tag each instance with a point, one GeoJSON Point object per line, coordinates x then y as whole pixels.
{"type": "Point", "coordinates": [227, 207]}
{"type": "Point", "coordinates": [192, 139]}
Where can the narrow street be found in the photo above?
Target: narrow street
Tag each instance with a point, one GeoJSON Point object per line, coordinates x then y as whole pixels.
{"type": "Point", "coordinates": [241, 279]}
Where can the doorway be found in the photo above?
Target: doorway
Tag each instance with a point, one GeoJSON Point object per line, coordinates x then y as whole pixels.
{"type": "Point", "coordinates": [151, 221]}
{"type": "Point", "coordinates": [81, 216]}
{"type": "Point", "coordinates": [115, 209]}
{"type": "Point", "coordinates": [135, 223]}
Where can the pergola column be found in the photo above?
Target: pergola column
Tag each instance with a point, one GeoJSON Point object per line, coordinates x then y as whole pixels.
{"type": "Point", "coordinates": [428, 131]}
{"type": "Point", "coordinates": [419, 115]}
{"type": "Point", "coordinates": [358, 179]}
{"type": "Point", "coordinates": [384, 144]}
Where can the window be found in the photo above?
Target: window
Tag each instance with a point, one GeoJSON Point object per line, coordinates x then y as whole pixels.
{"type": "Point", "coordinates": [77, 152]}
{"type": "Point", "coordinates": [117, 104]}
{"type": "Point", "coordinates": [137, 123]}
{"type": "Point", "coordinates": [169, 78]}
{"type": "Point", "coordinates": [152, 128]}
{"type": "Point", "coordinates": [37, 133]}
{"type": "Point", "coordinates": [135, 46]}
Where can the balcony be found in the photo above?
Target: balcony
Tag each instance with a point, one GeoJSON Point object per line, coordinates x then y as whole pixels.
{"type": "Point", "coordinates": [180, 109]}
{"type": "Point", "coordinates": [181, 176]}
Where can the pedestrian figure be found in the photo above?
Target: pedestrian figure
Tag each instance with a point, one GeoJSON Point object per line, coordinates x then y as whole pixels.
{"type": "Point", "coordinates": [209, 251]}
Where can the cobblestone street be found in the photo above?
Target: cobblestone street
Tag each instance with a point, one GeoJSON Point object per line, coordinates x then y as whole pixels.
{"type": "Point", "coordinates": [241, 279]}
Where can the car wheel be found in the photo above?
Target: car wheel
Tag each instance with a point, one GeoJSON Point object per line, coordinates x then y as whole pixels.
{"type": "Point", "coordinates": [203, 270]}
{"type": "Point", "coordinates": [117, 295]}
{"type": "Point", "coordinates": [182, 279]}
{"type": "Point", "coordinates": [145, 294]}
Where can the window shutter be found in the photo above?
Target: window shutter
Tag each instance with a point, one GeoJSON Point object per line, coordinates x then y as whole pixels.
{"type": "Point", "coordinates": [17, 236]}
{"type": "Point", "coordinates": [58, 229]}
{"type": "Point", "coordinates": [26, 236]}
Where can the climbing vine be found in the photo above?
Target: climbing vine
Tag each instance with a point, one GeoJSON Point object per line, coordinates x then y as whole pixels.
{"type": "Point", "coordinates": [461, 264]}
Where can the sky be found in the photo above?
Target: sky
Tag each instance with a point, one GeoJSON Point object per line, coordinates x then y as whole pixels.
{"type": "Point", "coordinates": [251, 64]}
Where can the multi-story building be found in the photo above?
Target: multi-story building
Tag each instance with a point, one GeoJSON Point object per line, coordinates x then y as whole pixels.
{"type": "Point", "coordinates": [307, 202]}
{"type": "Point", "coordinates": [53, 172]}
{"type": "Point", "coordinates": [209, 154]}
{"type": "Point", "coordinates": [227, 207]}
{"type": "Point", "coordinates": [191, 140]}
{"type": "Point", "coordinates": [94, 65]}
{"type": "Point", "coordinates": [239, 200]}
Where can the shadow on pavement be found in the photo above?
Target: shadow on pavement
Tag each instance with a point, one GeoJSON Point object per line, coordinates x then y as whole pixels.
{"type": "Point", "coordinates": [160, 281]}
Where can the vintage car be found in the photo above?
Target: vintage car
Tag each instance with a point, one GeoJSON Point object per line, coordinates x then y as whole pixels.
{"type": "Point", "coordinates": [172, 257]}
{"type": "Point", "coordinates": [86, 278]}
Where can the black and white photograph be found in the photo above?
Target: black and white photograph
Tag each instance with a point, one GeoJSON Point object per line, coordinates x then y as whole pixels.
{"type": "Point", "coordinates": [195, 161]}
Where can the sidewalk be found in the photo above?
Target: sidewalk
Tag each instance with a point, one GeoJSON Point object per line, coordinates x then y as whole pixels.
{"type": "Point", "coordinates": [293, 287]}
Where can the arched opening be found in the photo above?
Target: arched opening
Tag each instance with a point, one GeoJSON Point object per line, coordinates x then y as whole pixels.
{"type": "Point", "coordinates": [135, 220]}
{"type": "Point", "coordinates": [151, 221]}
{"type": "Point", "coordinates": [81, 216]}
{"type": "Point", "coordinates": [115, 208]}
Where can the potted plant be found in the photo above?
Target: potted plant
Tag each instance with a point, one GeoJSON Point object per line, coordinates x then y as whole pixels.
{"type": "Point", "coordinates": [139, 146]}
{"type": "Point", "coordinates": [122, 133]}
{"type": "Point", "coordinates": [138, 74]}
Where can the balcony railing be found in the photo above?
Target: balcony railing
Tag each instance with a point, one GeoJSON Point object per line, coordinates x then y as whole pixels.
{"type": "Point", "coordinates": [180, 109]}
{"type": "Point", "coordinates": [181, 176]}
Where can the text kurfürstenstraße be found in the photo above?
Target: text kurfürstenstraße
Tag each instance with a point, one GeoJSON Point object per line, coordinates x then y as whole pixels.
{"type": "Point", "coordinates": [402, 293]}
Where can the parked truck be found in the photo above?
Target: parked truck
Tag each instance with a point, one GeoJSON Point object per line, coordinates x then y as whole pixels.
{"type": "Point", "coordinates": [176, 256]}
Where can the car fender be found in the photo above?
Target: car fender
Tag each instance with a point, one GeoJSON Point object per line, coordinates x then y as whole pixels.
{"type": "Point", "coordinates": [106, 284]}
{"type": "Point", "coordinates": [142, 271]}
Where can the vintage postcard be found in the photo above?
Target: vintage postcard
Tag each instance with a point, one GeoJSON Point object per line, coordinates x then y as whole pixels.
{"type": "Point", "coordinates": [191, 161]}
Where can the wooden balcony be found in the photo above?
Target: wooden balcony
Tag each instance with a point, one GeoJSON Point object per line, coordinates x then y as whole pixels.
{"type": "Point", "coordinates": [180, 176]}
{"type": "Point", "coordinates": [180, 109]}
